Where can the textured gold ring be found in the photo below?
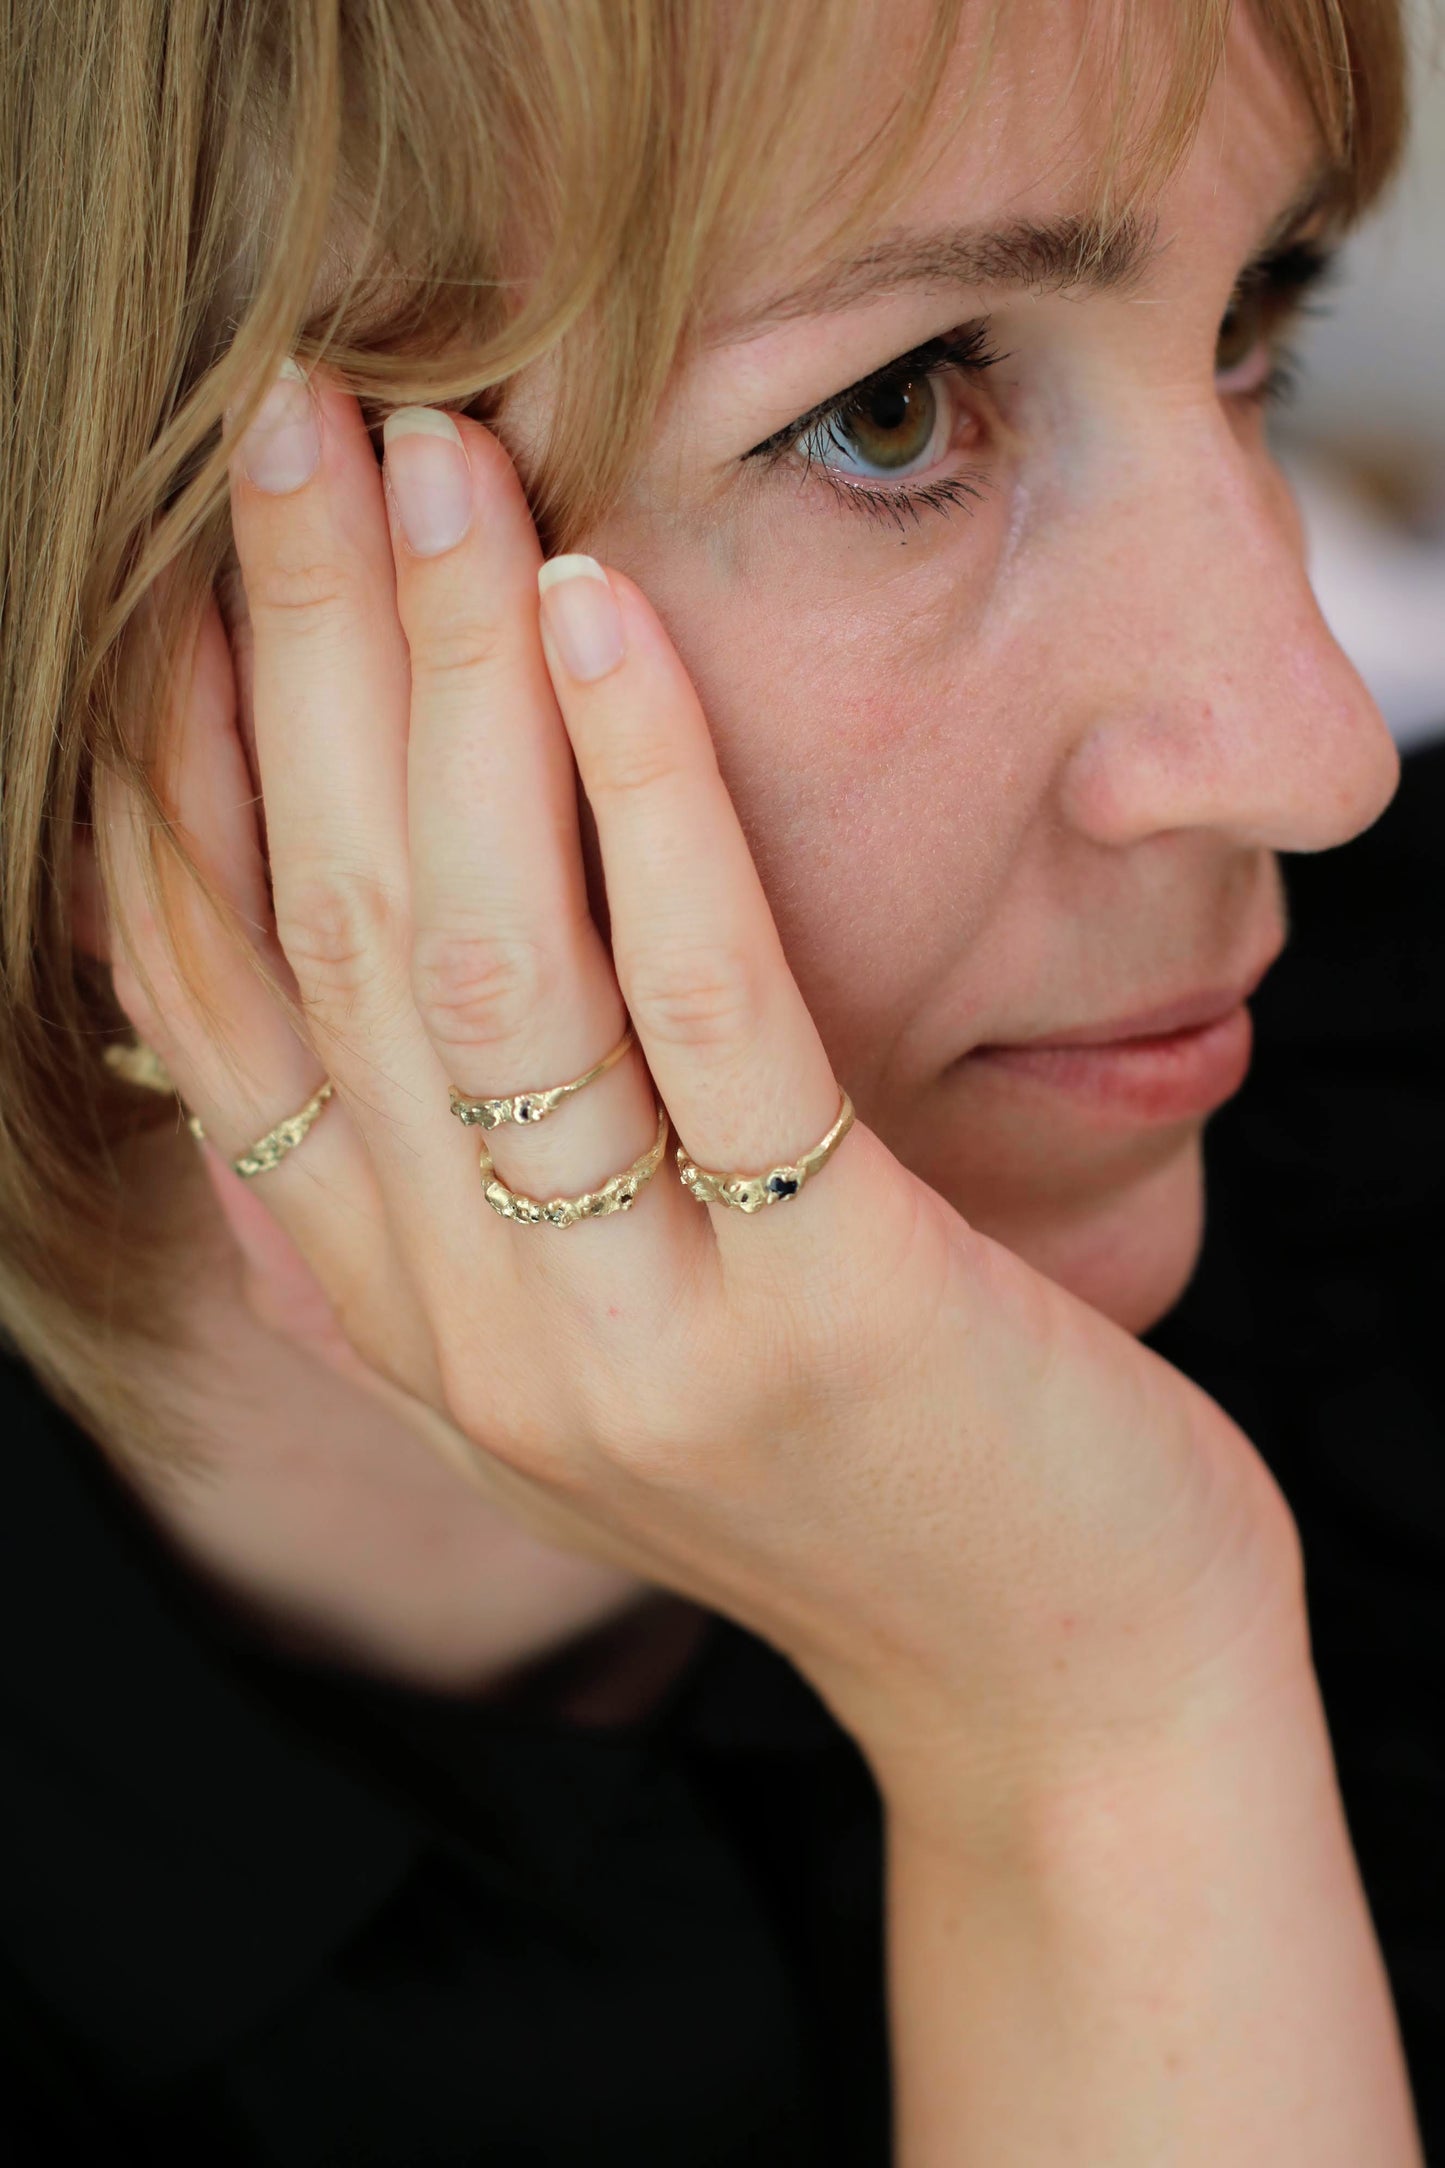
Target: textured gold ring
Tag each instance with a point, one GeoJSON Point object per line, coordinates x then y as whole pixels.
{"type": "Point", "coordinates": [750, 1192]}
{"type": "Point", "coordinates": [617, 1195]}
{"type": "Point", "coordinates": [534, 1106]}
{"type": "Point", "coordinates": [270, 1150]}
{"type": "Point", "coordinates": [140, 1064]}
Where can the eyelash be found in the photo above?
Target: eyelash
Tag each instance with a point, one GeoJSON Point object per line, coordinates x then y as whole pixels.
{"type": "Point", "coordinates": [1287, 279]}
{"type": "Point", "coordinates": [967, 352]}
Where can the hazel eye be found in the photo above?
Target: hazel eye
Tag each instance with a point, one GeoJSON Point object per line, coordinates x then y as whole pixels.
{"type": "Point", "coordinates": [896, 427]}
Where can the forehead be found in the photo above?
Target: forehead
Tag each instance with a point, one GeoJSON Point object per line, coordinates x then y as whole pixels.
{"type": "Point", "coordinates": [1029, 170]}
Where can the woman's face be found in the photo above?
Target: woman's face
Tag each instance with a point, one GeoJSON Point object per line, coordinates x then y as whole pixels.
{"type": "Point", "coordinates": [1017, 752]}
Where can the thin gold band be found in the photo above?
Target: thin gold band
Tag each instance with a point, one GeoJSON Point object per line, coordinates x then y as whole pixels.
{"type": "Point", "coordinates": [268, 1151]}
{"type": "Point", "coordinates": [534, 1106]}
{"type": "Point", "coordinates": [617, 1195]}
{"type": "Point", "coordinates": [141, 1064]}
{"type": "Point", "coordinates": [750, 1192]}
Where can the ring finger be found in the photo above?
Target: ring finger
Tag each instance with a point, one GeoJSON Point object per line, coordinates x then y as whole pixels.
{"type": "Point", "coordinates": [182, 975]}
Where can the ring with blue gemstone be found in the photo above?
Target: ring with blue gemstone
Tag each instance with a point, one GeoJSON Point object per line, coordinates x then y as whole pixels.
{"type": "Point", "coordinates": [752, 1192]}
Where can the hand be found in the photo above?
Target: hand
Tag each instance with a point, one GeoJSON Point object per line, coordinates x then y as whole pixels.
{"type": "Point", "coordinates": [977, 1515]}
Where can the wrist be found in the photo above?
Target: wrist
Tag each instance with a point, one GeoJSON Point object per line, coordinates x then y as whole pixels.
{"type": "Point", "coordinates": [1007, 1774]}
{"type": "Point", "coordinates": [1166, 1955]}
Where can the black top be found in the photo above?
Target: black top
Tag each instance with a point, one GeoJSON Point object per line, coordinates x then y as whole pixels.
{"type": "Point", "coordinates": [254, 1911]}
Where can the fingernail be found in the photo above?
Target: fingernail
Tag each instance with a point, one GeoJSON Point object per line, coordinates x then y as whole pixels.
{"type": "Point", "coordinates": [430, 477]}
{"type": "Point", "coordinates": [282, 447]}
{"type": "Point", "coordinates": [581, 616]}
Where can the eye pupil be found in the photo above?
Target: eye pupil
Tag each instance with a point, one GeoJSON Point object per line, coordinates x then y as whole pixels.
{"type": "Point", "coordinates": [894, 426]}
{"type": "Point", "coordinates": [890, 407]}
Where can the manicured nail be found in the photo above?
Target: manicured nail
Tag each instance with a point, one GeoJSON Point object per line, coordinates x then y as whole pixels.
{"type": "Point", "coordinates": [430, 477]}
{"type": "Point", "coordinates": [282, 447]}
{"type": "Point", "coordinates": [581, 616]}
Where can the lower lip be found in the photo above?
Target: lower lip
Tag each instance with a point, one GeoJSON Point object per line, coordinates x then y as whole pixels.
{"type": "Point", "coordinates": [1167, 1079]}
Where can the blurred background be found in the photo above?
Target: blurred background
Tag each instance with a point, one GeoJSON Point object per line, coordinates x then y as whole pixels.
{"type": "Point", "coordinates": [1363, 439]}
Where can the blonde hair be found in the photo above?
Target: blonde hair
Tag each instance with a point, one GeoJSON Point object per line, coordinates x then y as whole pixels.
{"type": "Point", "coordinates": [435, 195]}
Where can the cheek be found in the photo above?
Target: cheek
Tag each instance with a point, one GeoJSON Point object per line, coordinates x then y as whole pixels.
{"type": "Point", "coordinates": [869, 745]}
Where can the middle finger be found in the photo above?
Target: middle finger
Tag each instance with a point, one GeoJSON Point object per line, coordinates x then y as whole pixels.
{"type": "Point", "coordinates": [509, 969]}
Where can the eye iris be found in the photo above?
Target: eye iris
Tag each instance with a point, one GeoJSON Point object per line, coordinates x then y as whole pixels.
{"type": "Point", "coordinates": [893, 426]}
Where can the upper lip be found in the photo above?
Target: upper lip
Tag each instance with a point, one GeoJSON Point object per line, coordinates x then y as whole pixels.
{"type": "Point", "coordinates": [1185, 1012]}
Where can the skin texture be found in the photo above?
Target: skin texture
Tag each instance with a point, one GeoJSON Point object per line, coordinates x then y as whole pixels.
{"type": "Point", "coordinates": [1023, 768]}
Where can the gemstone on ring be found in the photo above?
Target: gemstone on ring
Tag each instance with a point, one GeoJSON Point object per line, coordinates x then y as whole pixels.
{"type": "Point", "coordinates": [751, 1192]}
{"type": "Point", "coordinates": [617, 1195]}
{"type": "Point", "coordinates": [533, 1106]}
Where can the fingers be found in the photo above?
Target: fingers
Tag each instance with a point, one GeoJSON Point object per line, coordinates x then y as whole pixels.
{"type": "Point", "coordinates": [422, 822]}
{"type": "Point", "coordinates": [189, 985]}
{"type": "Point", "coordinates": [509, 973]}
{"type": "Point", "coordinates": [331, 680]}
{"type": "Point", "coordinates": [728, 1036]}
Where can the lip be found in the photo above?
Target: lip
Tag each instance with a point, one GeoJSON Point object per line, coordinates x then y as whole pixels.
{"type": "Point", "coordinates": [1184, 1012]}
{"type": "Point", "coordinates": [1180, 1059]}
{"type": "Point", "coordinates": [1170, 1016]}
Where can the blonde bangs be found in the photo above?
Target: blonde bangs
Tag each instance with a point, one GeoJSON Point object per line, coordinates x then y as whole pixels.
{"type": "Point", "coordinates": [484, 187]}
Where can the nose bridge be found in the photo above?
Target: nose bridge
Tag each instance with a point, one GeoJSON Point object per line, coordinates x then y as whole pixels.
{"type": "Point", "coordinates": [1215, 695]}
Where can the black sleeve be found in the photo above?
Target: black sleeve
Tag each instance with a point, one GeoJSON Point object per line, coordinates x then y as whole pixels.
{"type": "Point", "coordinates": [51, 2113]}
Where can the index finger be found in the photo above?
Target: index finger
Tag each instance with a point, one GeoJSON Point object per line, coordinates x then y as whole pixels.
{"type": "Point", "coordinates": [728, 1037]}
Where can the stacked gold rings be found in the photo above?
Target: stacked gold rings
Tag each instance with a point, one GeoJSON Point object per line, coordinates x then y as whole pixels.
{"type": "Point", "coordinates": [747, 1193]}
{"type": "Point", "coordinates": [617, 1195]}
{"type": "Point", "coordinates": [527, 1106]}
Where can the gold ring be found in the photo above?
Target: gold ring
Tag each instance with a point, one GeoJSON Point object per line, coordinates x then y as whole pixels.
{"type": "Point", "coordinates": [140, 1064]}
{"type": "Point", "coordinates": [534, 1106]}
{"type": "Point", "coordinates": [750, 1192]}
{"type": "Point", "coordinates": [270, 1150]}
{"type": "Point", "coordinates": [614, 1196]}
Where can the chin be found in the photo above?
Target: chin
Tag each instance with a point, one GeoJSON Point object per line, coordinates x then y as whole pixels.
{"type": "Point", "coordinates": [1129, 1250]}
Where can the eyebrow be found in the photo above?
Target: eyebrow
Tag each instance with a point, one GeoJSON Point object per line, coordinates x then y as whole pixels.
{"type": "Point", "coordinates": [1074, 251]}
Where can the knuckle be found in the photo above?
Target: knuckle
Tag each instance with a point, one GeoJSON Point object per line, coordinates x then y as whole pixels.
{"type": "Point", "coordinates": [335, 927]}
{"type": "Point", "coordinates": [453, 650]}
{"type": "Point", "coordinates": [633, 764]}
{"type": "Point", "coordinates": [300, 589]}
{"type": "Point", "coordinates": [478, 989]}
{"type": "Point", "coordinates": [643, 1434]}
{"type": "Point", "coordinates": [629, 1404]}
{"type": "Point", "coordinates": [694, 997]}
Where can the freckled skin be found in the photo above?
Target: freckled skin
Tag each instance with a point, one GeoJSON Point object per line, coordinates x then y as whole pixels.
{"type": "Point", "coordinates": [1028, 766]}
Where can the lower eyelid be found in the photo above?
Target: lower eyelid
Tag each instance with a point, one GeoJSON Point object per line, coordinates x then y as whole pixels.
{"type": "Point", "coordinates": [944, 494]}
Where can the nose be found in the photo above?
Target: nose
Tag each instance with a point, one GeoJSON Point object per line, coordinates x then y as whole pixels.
{"type": "Point", "coordinates": [1208, 691]}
